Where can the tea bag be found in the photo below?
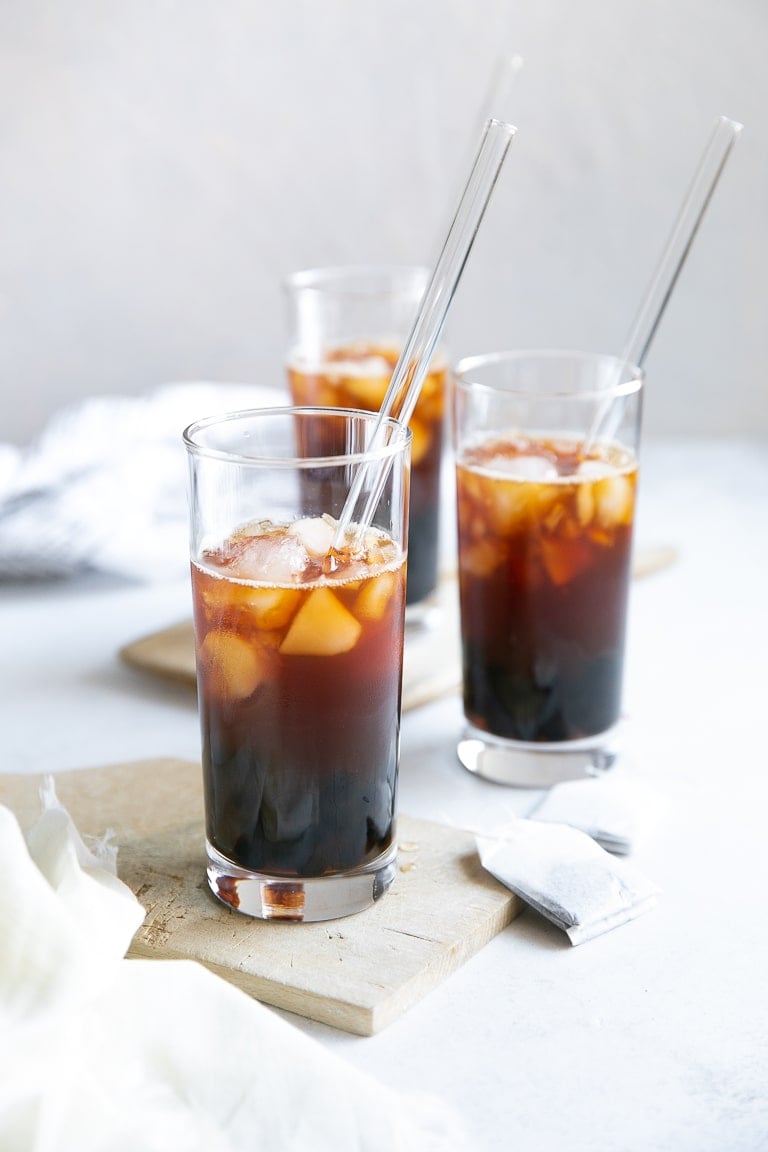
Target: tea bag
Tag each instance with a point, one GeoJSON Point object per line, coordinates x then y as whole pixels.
{"type": "Point", "coordinates": [566, 877]}
{"type": "Point", "coordinates": [611, 809]}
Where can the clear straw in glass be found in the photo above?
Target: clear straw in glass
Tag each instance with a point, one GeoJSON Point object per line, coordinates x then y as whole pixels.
{"type": "Point", "coordinates": [670, 266]}
{"type": "Point", "coordinates": [413, 364]}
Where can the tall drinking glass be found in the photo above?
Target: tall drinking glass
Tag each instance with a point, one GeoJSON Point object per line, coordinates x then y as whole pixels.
{"type": "Point", "coordinates": [545, 523]}
{"type": "Point", "coordinates": [347, 327]}
{"type": "Point", "coordinates": [299, 648]}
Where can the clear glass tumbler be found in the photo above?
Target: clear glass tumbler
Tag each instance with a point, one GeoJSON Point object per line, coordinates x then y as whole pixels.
{"type": "Point", "coordinates": [347, 327]}
{"type": "Point", "coordinates": [299, 648]}
{"type": "Point", "coordinates": [546, 470]}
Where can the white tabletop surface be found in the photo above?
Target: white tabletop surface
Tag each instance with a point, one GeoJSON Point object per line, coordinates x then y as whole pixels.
{"type": "Point", "coordinates": [653, 1036]}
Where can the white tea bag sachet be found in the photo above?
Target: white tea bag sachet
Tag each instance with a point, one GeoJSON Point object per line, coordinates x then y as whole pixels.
{"type": "Point", "coordinates": [567, 877]}
{"type": "Point", "coordinates": [614, 809]}
{"type": "Point", "coordinates": [610, 809]}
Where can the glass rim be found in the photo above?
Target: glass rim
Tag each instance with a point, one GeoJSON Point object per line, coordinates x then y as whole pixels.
{"type": "Point", "coordinates": [399, 442]}
{"type": "Point", "coordinates": [624, 368]}
{"type": "Point", "coordinates": [355, 279]}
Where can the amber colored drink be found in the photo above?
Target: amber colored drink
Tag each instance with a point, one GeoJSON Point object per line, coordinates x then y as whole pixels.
{"type": "Point", "coordinates": [544, 562]}
{"type": "Point", "coordinates": [299, 650]}
{"type": "Point", "coordinates": [357, 375]}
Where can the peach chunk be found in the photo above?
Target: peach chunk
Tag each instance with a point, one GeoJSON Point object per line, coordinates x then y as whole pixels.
{"type": "Point", "coordinates": [271, 607]}
{"type": "Point", "coordinates": [321, 627]}
{"type": "Point", "coordinates": [367, 390]}
{"type": "Point", "coordinates": [564, 562]}
{"type": "Point", "coordinates": [508, 502]}
{"type": "Point", "coordinates": [237, 666]}
{"type": "Point", "coordinates": [375, 595]}
{"type": "Point", "coordinates": [480, 559]}
{"type": "Point", "coordinates": [430, 404]}
{"type": "Point", "coordinates": [585, 502]}
{"type": "Point", "coordinates": [420, 442]}
{"type": "Point", "coordinates": [615, 499]}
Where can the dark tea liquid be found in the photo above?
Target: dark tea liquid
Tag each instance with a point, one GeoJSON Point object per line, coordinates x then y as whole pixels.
{"type": "Point", "coordinates": [299, 653]}
{"type": "Point", "coordinates": [545, 541]}
{"type": "Point", "coordinates": [357, 376]}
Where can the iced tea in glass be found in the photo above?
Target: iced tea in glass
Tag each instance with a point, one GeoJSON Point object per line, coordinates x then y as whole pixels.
{"type": "Point", "coordinates": [299, 644]}
{"type": "Point", "coordinates": [348, 326]}
{"type": "Point", "coordinates": [545, 517]}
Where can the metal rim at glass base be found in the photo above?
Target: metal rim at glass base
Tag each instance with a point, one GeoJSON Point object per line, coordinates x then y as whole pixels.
{"type": "Point", "coordinates": [300, 899]}
{"type": "Point", "coordinates": [537, 765]}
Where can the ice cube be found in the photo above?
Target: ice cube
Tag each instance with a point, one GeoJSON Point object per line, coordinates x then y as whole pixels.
{"type": "Point", "coordinates": [288, 807]}
{"type": "Point", "coordinates": [594, 469]}
{"type": "Point", "coordinates": [288, 561]}
{"type": "Point", "coordinates": [512, 504]}
{"type": "Point", "coordinates": [272, 559]}
{"type": "Point", "coordinates": [252, 557]}
{"type": "Point", "coordinates": [315, 533]}
{"type": "Point", "coordinates": [507, 504]}
{"type": "Point", "coordinates": [362, 366]}
{"type": "Point", "coordinates": [535, 468]}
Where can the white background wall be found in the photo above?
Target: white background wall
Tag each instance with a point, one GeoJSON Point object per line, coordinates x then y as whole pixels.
{"type": "Point", "coordinates": [163, 164]}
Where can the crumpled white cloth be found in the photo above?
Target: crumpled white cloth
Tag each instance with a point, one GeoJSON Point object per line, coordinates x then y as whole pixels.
{"type": "Point", "coordinates": [103, 1054]}
{"type": "Point", "coordinates": [104, 486]}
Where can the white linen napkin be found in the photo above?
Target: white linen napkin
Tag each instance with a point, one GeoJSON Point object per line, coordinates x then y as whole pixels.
{"type": "Point", "coordinates": [566, 877]}
{"type": "Point", "coordinates": [104, 487]}
{"type": "Point", "coordinates": [99, 1052]}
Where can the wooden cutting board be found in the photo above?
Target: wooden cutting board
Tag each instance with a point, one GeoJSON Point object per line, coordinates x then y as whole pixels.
{"type": "Point", "coordinates": [358, 973]}
{"type": "Point", "coordinates": [432, 658]}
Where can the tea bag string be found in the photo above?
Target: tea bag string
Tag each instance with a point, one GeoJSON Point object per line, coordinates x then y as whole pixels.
{"type": "Point", "coordinates": [674, 255]}
{"type": "Point", "coordinates": [413, 363]}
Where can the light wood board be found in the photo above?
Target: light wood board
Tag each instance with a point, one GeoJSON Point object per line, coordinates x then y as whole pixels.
{"type": "Point", "coordinates": [432, 658]}
{"type": "Point", "coordinates": [358, 973]}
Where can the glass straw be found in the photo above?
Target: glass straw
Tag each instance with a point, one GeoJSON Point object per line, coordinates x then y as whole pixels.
{"type": "Point", "coordinates": [495, 105]}
{"type": "Point", "coordinates": [413, 364]}
{"type": "Point", "coordinates": [673, 258]}
{"type": "Point", "coordinates": [505, 72]}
